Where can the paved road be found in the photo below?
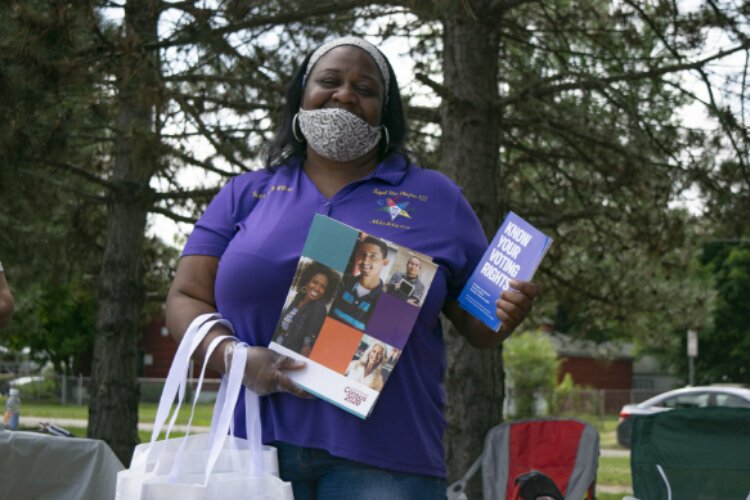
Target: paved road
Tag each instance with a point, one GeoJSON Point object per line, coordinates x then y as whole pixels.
{"type": "Point", "coordinates": [619, 452]}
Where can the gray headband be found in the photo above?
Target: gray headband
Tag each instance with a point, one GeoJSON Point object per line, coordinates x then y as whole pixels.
{"type": "Point", "coordinates": [357, 42]}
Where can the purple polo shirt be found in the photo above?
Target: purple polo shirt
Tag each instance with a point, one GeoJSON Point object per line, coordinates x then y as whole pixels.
{"type": "Point", "coordinates": [257, 226]}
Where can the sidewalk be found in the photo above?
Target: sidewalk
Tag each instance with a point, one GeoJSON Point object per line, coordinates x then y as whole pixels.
{"type": "Point", "coordinates": [605, 452]}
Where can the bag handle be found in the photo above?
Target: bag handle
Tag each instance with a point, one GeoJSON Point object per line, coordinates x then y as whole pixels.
{"type": "Point", "coordinates": [176, 372]}
{"type": "Point", "coordinates": [218, 404]}
{"type": "Point", "coordinates": [254, 431]}
{"type": "Point", "coordinates": [252, 423]}
{"type": "Point", "coordinates": [234, 385]}
{"type": "Point", "coordinates": [176, 381]}
{"type": "Point", "coordinates": [175, 470]}
{"type": "Point", "coordinates": [211, 348]}
{"type": "Point", "coordinates": [177, 377]}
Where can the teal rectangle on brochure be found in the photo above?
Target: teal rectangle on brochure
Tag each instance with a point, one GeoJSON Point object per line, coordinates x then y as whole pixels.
{"type": "Point", "coordinates": [515, 253]}
{"type": "Point", "coordinates": [330, 242]}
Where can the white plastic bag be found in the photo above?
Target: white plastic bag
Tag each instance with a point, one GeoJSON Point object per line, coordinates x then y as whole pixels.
{"type": "Point", "coordinates": [215, 466]}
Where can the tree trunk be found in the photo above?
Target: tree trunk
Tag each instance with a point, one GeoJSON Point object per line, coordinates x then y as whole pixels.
{"type": "Point", "coordinates": [470, 138]}
{"type": "Point", "coordinates": [113, 409]}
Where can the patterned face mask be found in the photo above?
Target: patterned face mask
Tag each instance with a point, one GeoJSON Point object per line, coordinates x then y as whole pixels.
{"type": "Point", "coordinates": [337, 134]}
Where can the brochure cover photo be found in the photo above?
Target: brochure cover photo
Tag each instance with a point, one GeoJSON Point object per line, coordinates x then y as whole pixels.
{"type": "Point", "coordinates": [349, 312]}
{"type": "Point", "coordinates": [515, 253]}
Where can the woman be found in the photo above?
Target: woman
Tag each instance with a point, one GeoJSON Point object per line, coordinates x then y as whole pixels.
{"type": "Point", "coordinates": [300, 322]}
{"type": "Point", "coordinates": [340, 152]}
{"type": "Point", "coordinates": [367, 369]}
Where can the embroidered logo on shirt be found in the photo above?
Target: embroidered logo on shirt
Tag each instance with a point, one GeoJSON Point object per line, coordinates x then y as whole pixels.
{"type": "Point", "coordinates": [392, 202]}
{"type": "Point", "coordinates": [394, 208]}
{"type": "Point", "coordinates": [282, 188]}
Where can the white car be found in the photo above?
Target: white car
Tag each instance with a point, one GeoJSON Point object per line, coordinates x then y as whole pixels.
{"type": "Point", "coordinates": [687, 397]}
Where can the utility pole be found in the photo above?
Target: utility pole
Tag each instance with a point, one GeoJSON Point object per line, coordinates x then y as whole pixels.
{"type": "Point", "coordinates": [692, 352]}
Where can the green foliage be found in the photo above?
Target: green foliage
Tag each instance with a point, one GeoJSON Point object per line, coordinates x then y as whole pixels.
{"type": "Point", "coordinates": [531, 364]}
{"type": "Point", "coordinates": [596, 164]}
{"type": "Point", "coordinates": [723, 268]}
{"type": "Point", "coordinates": [724, 346]}
{"type": "Point", "coordinates": [36, 39]}
{"type": "Point", "coordinates": [570, 399]}
{"type": "Point", "coordinates": [50, 221]}
{"type": "Point", "coordinates": [563, 394]}
{"type": "Point", "coordinates": [48, 225]}
{"type": "Point", "coordinates": [41, 390]}
{"type": "Point", "coordinates": [56, 321]}
{"type": "Point", "coordinates": [593, 152]}
{"type": "Point", "coordinates": [56, 154]}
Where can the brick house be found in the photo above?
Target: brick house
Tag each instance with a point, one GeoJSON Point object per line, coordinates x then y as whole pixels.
{"type": "Point", "coordinates": [156, 350]}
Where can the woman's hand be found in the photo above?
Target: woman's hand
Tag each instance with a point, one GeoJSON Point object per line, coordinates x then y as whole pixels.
{"type": "Point", "coordinates": [192, 294]}
{"type": "Point", "coordinates": [515, 304]}
{"type": "Point", "coordinates": [512, 308]}
{"type": "Point", "coordinates": [265, 371]}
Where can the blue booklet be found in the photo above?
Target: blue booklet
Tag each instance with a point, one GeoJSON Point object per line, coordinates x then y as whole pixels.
{"type": "Point", "coordinates": [515, 253]}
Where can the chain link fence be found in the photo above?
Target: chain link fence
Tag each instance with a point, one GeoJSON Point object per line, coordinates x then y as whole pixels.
{"type": "Point", "coordinates": [76, 390]}
{"type": "Point", "coordinates": [577, 401]}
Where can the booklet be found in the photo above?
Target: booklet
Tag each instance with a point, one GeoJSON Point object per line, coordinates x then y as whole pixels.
{"type": "Point", "coordinates": [350, 309]}
{"type": "Point", "coordinates": [515, 253]}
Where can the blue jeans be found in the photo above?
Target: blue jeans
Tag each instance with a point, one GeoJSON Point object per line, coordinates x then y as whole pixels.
{"type": "Point", "coordinates": [316, 474]}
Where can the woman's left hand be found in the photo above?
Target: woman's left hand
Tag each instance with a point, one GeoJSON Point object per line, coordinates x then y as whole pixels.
{"type": "Point", "coordinates": [515, 304]}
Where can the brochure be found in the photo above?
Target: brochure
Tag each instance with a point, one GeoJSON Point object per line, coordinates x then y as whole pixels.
{"type": "Point", "coordinates": [515, 253]}
{"type": "Point", "coordinates": [350, 309]}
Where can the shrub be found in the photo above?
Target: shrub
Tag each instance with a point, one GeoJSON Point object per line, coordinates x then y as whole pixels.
{"type": "Point", "coordinates": [531, 365]}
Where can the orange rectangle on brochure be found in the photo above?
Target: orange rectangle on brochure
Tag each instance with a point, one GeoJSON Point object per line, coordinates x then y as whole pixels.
{"type": "Point", "coordinates": [336, 345]}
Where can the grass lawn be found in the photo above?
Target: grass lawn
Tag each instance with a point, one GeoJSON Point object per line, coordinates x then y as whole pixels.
{"type": "Point", "coordinates": [608, 433]}
{"type": "Point", "coordinates": [613, 471]}
{"type": "Point", "coordinates": [146, 412]}
{"type": "Point", "coordinates": [203, 413]}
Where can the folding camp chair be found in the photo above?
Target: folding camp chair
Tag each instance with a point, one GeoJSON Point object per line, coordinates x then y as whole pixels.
{"type": "Point", "coordinates": [692, 453]}
{"type": "Point", "coordinates": [565, 450]}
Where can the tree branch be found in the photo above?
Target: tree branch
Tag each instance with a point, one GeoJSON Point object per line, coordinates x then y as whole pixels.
{"type": "Point", "coordinates": [199, 123]}
{"type": "Point", "coordinates": [171, 215]}
{"type": "Point", "coordinates": [724, 124]}
{"type": "Point", "coordinates": [441, 90]}
{"type": "Point", "coordinates": [80, 172]}
{"type": "Point", "coordinates": [503, 6]}
{"type": "Point", "coordinates": [540, 88]}
{"type": "Point", "coordinates": [190, 160]}
{"type": "Point", "coordinates": [423, 113]}
{"type": "Point", "coordinates": [63, 186]}
{"type": "Point", "coordinates": [313, 9]}
{"type": "Point", "coordinates": [189, 194]}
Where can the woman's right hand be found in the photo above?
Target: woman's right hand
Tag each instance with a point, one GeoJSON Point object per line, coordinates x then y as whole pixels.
{"type": "Point", "coordinates": [192, 294]}
{"type": "Point", "coordinates": [265, 371]}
